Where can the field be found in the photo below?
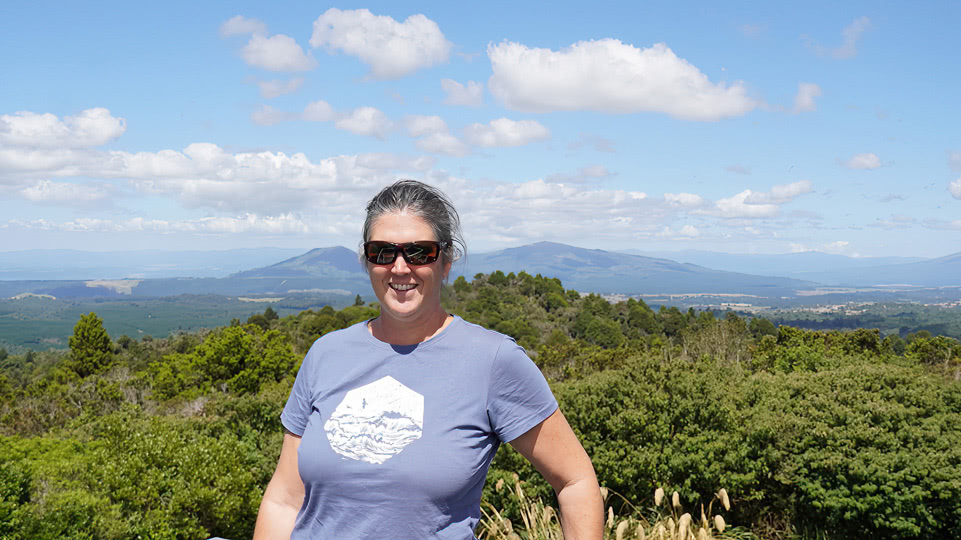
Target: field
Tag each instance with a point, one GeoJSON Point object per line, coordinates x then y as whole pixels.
{"type": "Point", "coordinates": [41, 323]}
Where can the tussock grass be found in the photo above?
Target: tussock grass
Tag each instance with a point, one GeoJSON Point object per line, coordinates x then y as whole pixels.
{"type": "Point", "coordinates": [666, 521]}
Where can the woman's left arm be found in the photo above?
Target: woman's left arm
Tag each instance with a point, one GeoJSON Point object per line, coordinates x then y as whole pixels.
{"type": "Point", "coordinates": [553, 449]}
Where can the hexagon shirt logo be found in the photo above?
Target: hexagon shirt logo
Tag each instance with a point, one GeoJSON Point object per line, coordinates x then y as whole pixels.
{"type": "Point", "coordinates": [376, 421]}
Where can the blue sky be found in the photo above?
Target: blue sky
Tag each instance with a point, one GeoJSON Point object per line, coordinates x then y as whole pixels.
{"type": "Point", "coordinates": [736, 127]}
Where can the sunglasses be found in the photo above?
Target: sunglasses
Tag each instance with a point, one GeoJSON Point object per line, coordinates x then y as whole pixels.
{"type": "Point", "coordinates": [415, 253]}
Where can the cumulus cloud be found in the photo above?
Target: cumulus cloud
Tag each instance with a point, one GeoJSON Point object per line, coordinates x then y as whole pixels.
{"type": "Point", "coordinates": [804, 101]}
{"type": "Point", "coordinates": [319, 111]}
{"type": "Point", "coordinates": [276, 53]}
{"type": "Point", "coordinates": [419, 125]}
{"type": "Point", "coordinates": [392, 49]}
{"type": "Point", "coordinates": [268, 116]}
{"type": "Point", "coordinates": [684, 200]}
{"type": "Point", "coordinates": [240, 25]}
{"type": "Point", "coordinates": [92, 127]}
{"type": "Point", "coordinates": [64, 193]}
{"type": "Point", "coordinates": [865, 161]}
{"type": "Point", "coordinates": [366, 121]}
{"type": "Point", "coordinates": [849, 40]}
{"type": "Point", "coordinates": [471, 95]}
{"type": "Point", "coordinates": [955, 188]}
{"type": "Point", "coordinates": [276, 88]}
{"type": "Point", "coordinates": [610, 76]}
{"type": "Point", "coordinates": [689, 231]}
{"type": "Point", "coordinates": [505, 132]}
{"type": "Point", "coordinates": [752, 204]}
{"type": "Point", "coordinates": [781, 194]}
{"type": "Point", "coordinates": [443, 143]}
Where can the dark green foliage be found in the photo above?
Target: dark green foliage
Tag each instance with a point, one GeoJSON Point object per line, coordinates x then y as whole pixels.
{"type": "Point", "coordinates": [91, 350]}
{"type": "Point", "coordinates": [236, 359]}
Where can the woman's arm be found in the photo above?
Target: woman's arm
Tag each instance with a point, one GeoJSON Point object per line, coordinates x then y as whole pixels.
{"type": "Point", "coordinates": [553, 449]}
{"type": "Point", "coordinates": [283, 497]}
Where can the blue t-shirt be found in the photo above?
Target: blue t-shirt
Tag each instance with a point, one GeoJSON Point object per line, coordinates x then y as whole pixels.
{"type": "Point", "coordinates": [397, 440]}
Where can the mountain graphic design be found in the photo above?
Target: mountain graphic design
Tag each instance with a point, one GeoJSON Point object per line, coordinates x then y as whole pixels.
{"type": "Point", "coordinates": [376, 421]}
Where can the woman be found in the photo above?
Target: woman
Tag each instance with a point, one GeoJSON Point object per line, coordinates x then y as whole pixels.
{"type": "Point", "coordinates": [392, 423]}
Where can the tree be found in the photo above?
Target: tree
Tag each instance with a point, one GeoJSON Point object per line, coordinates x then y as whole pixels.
{"type": "Point", "coordinates": [358, 301]}
{"type": "Point", "coordinates": [91, 350]}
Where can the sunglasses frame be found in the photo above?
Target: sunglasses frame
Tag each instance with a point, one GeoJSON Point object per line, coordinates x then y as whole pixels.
{"type": "Point", "coordinates": [402, 250]}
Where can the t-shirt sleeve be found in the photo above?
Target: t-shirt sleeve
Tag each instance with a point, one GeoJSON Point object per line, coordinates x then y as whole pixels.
{"type": "Point", "coordinates": [299, 404]}
{"type": "Point", "coordinates": [519, 397]}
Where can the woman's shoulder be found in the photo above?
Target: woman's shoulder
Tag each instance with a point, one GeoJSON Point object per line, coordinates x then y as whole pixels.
{"type": "Point", "coordinates": [475, 331]}
{"type": "Point", "coordinates": [338, 338]}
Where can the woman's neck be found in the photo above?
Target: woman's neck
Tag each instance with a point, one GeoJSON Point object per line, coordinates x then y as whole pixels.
{"type": "Point", "coordinates": [398, 332]}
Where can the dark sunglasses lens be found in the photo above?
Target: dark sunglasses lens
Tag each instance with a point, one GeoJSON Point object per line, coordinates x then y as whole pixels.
{"type": "Point", "coordinates": [381, 252]}
{"type": "Point", "coordinates": [421, 252]}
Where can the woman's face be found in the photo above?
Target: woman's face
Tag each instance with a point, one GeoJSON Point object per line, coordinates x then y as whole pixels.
{"type": "Point", "coordinates": [408, 294]}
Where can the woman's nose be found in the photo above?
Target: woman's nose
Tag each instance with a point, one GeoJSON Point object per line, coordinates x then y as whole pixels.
{"type": "Point", "coordinates": [400, 265]}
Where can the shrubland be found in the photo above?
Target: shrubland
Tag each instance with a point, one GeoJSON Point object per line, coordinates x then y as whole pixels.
{"type": "Point", "coordinates": [814, 434]}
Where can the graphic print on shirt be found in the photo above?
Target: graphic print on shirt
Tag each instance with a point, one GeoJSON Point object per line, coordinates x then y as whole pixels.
{"type": "Point", "coordinates": [376, 421]}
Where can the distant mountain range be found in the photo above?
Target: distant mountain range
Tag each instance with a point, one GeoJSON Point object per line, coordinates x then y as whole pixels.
{"type": "Point", "coordinates": [338, 269]}
{"type": "Point", "coordinates": [612, 272]}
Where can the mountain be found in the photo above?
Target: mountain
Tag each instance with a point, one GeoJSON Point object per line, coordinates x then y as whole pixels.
{"type": "Point", "coordinates": [941, 272]}
{"type": "Point", "coordinates": [319, 262]}
{"type": "Point", "coordinates": [802, 265]}
{"type": "Point", "coordinates": [602, 271]}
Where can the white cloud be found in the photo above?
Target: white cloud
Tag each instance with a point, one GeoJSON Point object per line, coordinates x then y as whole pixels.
{"type": "Point", "coordinates": [471, 95]}
{"type": "Point", "coordinates": [419, 125]}
{"type": "Point", "coordinates": [276, 88]}
{"type": "Point", "coordinates": [781, 194]}
{"type": "Point", "coordinates": [268, 116]}
{"type": "Point", "coordinates": [360, 121]}
{"type": "Point", "coordinates": [595, 171]}
{"type": "Point", "coordinates": [319, 111]}
{"type": "Point", "coordinates": [92, 127]}
{"type": "Point", "coordinates": [391, 49]}
{"type": "Point", "coordinates": [505, 132]}
{"type": "Point", "coordinates": [366, 121]}
{"type": "Point", "coordinates": [443, 143]}
{"type": "Point", "coordinates": [690, 231]}
{"type": "Point", "coordinates": [247, 223]}
{"type": "Point", "coordinates": [751, 204]}
{"type": "Point", "coordinates": [63, 193]}
{"type": "Point", "coordinates": [863, 161]}
{"type": "Point", "coordinates": [955, 188]}
{"type": "Point", "coordinates": [609, 76]}
{"type": "Point", "coordinates": [684, 200]}
{"type": "Point", "coordinates": [851, 34]}
{"type": "Point", "coordinates": [238, 24]}
{"type": "Point", "coordinates": [849, 40]}
{"type": "Point", "coordinates": [276, 53]}
{"type": "Point", "coordinates": [804, 101]}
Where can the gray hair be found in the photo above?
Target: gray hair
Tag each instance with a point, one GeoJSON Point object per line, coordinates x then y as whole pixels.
{"type": "Point", "coordinates": [425, 202]}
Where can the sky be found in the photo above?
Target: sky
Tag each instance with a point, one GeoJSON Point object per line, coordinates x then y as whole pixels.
{"type": "Point", "coordinates": [741, 127]}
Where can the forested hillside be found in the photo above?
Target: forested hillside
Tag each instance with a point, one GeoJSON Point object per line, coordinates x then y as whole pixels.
{"type": "Point", "coordinates": [814, 434]}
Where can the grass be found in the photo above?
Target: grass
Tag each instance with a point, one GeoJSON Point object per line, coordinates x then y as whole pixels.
{"type": "Point", "coordinates": [668, 520]}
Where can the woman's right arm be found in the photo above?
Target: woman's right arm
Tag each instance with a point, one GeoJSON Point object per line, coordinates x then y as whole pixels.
{"type": "Point", "coordinates": [284, 495]}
